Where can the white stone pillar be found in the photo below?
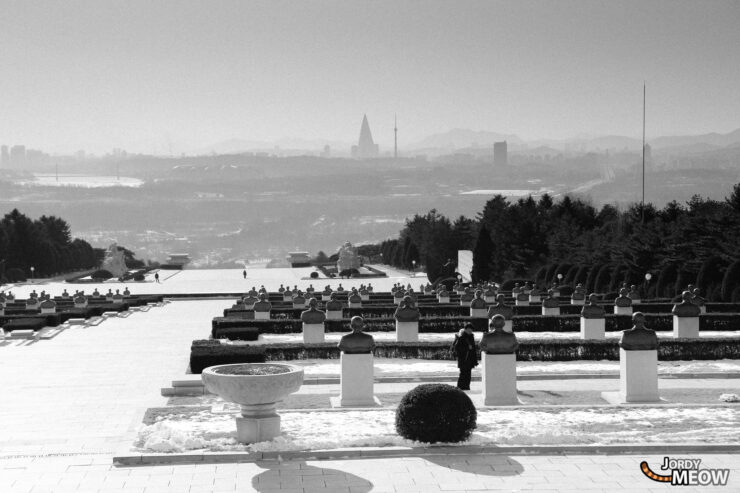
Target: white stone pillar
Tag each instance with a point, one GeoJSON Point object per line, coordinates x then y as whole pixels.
{"type": "Point", "coordinates": [443, 299]}
{"type": "Point", "coordinates": [356, 380]}
{"type": "Point", "coordinates": [534, 298]}
{"type": "Point", "coordinates": [499, 380]}
{"type": "Point", "coordinates": [578, 302]}
{"type": "Point", "coordinates": [548, 312]}
{"type": "Point", "coordinates": [479, 312]}
{"type": "Point", "coordinates": [622, 310]}
{"type": "Point", "coordinates": [686, 327]}
{"type": "Point", "coordinates": [519, 302]}
{"type": "Point", "coordinates": [593, 328]}
{"type": "Point", "coordinates": [262, 315]}
{"type": "Point", "coordinates": [333, 314]}
{"type": "Point", "coordinates": [313, 333]}
{"type": "Point", "coordinates": [638, 375]}
{"type": "Point", "coordinates": [407, 331]}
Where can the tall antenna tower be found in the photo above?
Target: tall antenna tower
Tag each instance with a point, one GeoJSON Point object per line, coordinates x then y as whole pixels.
{"type": "Point", "coordinates": [395, 137]}
{"type": "Point", "coordinates": [642, 208]}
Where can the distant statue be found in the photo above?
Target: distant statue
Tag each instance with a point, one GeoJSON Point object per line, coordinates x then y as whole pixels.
{"type": "Point", "coordinates": [348, 258]}
{"type": "Point", "coordinates": [114, 261]}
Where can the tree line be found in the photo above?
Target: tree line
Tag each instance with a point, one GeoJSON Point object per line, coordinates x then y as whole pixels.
{"type": "Point", "coordinates": [45, 244]}
{"type": "Point", "coordinates": [527, 239]}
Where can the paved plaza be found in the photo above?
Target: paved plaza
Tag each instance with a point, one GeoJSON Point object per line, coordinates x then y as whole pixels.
{"type": "Point", "coordinates": [71, 403]}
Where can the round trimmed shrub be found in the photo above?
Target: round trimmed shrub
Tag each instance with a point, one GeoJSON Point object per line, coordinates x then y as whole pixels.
{"type": "Point", "coordinates": [314, 275]}
{"type": "Point", "coordinates": [139, 277]}
{"type": "Point", "coordinates": [434, 413]}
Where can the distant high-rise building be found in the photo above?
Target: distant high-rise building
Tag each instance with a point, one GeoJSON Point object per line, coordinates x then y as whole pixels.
{"type": "Point", "coordinates": [500, 153]}
{"type": "Point", "coordinates": [17, 156]}
{"type": "Point", "coordinates": [4, 157]}
{"type": "Point", "coordinates": [366, 147]}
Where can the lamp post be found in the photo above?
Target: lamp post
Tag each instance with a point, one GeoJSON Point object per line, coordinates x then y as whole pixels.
{"type": "Point", "coordinates": [32, 269]}
{"type": "Point", "coordinates": [648, 276]}
{"type": "Point", "coordinates": [413, 264]}
{"type": "Point", "coordinates": [560, 279]}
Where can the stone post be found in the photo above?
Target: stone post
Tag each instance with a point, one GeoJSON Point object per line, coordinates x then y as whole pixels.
{"type": "Point", "coordinates": [535, 295]}
{"type": "Point", "coordinates": [550, 306]}
{"type": "Point", "coordinates": [443, 296]}
{"type": "Point", "coordinates": [686, 317]}
{"type": "Point", "coordinates": [498, 348]}
{"type": "Point", "coordinates": [299, 302]}
{"type": "Point", "coordinates": [262, 308]}
{"type": "Point", "coordinates": [48, 307]}
{"type": "Point", "coordinates": [356, 363]}
{"type": "Point", "coordinates": [313, 323]}
{"type": "Point", "coordinates": [333, 308]}
{"type": "Point", "coordinates": [623, 304]}
{"type": "Point", "coordinates": [466, 298]}
{"type": "Point", "coordinates": [638, 364]}
{"type": "Point", "coordinates": [489, 295]}
{"type": "Point", "coordinates": [407, 321]}
{"type": "Point", "coordinates": [522, 299]}
{"type": "Point", "coordinates": [593, 323]}
{"type": "Point", "coordinates": [478, 307]}
{"type": "Point", "coordinates": [579, 295]}
{"type": "Point", "coordinates": [634, 294]}
{"type": "Point", "coordinates": [500, 308]}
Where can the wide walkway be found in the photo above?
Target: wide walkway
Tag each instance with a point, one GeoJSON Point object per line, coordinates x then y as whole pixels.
{"type": "Point", "coordinates": [441, 473]}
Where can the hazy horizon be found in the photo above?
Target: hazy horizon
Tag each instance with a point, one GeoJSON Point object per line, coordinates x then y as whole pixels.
{"type": "Point", "coordinates": [155, 76]}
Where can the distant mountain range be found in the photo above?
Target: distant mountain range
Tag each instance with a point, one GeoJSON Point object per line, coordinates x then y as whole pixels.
{"type": "Point", "coordinates": [465, 139]}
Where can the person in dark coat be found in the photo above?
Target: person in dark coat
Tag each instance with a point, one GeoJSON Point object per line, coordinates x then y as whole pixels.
{"type": "Point", "coordinates": [467, 358]}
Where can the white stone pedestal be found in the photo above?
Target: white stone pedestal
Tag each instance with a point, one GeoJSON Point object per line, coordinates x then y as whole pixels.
{"type": "Point", "coordinates": [490, 299]}
{"type": "Point", "coordinates": [356, 380]}
{"type": "Point", "coordinates": [534, 298]}
{"type": "Point", "coordinates": [479, 313]}
{"type": "Point", "coordinates": [444, 299]}
{"type": "Point", "coordinates": [592, 328]}
{"type": "Point", "coordinates": [577, 302]}
{"type": "Point", "coordinates": [407, 331]}
{"type": "Point", "coordinates": [622, 310]}
{"type": "Point", "coordinates": [333, 315]}
{"type": "Point", "coordinates": [325, 297]}
{"type": "Point", "coordinates": [509, 326]}
{"type": "Point", "coordinates": [550, 311]}
{"type": "Point", "coordinates": [638, 376]}
{"type": "Point", "coordinates": [686, 327]}
{"type": "Point", "coordinates": [703, 309]}
{"type": "Point", "coordinates": [262, 315]}
{"type": "Point", "coordinates": [522, 303]}
{"type": "Point", "coordinates": [365, 297]}
{"type": "Point", "coordinates": [313, 333]}
{"type": "Point", "coordinates": [499, 380]}
{"type": "Point", "coordinates": [355, 305]}
{"type": "Point", "coordinates": [258, 423]}
{"type": "Point", "coordinates": [287, 297]}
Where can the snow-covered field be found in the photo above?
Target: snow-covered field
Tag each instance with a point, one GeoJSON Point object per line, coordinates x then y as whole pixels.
{"type": "Point", "coordinates": [557, 426]}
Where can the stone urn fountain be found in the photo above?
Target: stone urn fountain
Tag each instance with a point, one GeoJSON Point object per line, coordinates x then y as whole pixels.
{"type": "Point", "coordinates": [257, 388]}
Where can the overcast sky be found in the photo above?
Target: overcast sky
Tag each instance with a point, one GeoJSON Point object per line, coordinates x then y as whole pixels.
{"type": "Point", "coordinates": [140, 74]}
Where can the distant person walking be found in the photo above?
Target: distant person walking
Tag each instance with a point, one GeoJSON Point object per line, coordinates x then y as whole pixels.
{"type": "Point", "coordinates": [463, 348]}
{"type": "Point", "coordinates": [156, 277]}
{"type": "Point", "coordinates": [244, 273]}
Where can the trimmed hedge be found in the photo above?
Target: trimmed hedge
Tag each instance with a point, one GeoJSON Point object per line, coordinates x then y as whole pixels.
{"type": "Point", "coordinates": [236, 333]}
{"type": "Point", "coordinates": [432, 413]}
{"type": "Point", "coordinates": [208, 353]}
{"type": "Point", "coordinates": [538, 323]}
{"type": "Point", "coordinates": [34, 324]}
{"type": "Point", "coordinates": [205, 353]}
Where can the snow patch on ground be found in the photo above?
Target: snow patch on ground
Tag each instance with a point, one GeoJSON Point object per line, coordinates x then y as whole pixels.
{"type": "Point", "coordinates": [319, 429]}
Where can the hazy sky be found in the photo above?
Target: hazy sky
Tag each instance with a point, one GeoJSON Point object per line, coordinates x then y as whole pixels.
{"type": "Point", "coordinates": [139, 74]}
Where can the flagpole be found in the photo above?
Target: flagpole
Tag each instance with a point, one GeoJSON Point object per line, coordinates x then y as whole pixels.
{"type": "Point", "coordinates": [643, 152]}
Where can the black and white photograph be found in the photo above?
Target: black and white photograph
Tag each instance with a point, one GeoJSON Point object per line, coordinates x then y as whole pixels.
{"type": "Point", "coordinates": [369, 246]}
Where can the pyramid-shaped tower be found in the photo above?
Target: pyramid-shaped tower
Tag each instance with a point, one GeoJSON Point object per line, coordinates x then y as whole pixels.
{"type": "Point", "coordinates": [366, 147]}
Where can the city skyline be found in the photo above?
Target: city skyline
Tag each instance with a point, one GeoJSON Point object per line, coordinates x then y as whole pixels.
{"type": "Point", "coordinates": [160, 77]}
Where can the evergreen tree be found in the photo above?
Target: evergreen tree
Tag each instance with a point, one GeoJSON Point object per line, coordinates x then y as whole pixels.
{"type": "Point", "coordinates": [482, 256]}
